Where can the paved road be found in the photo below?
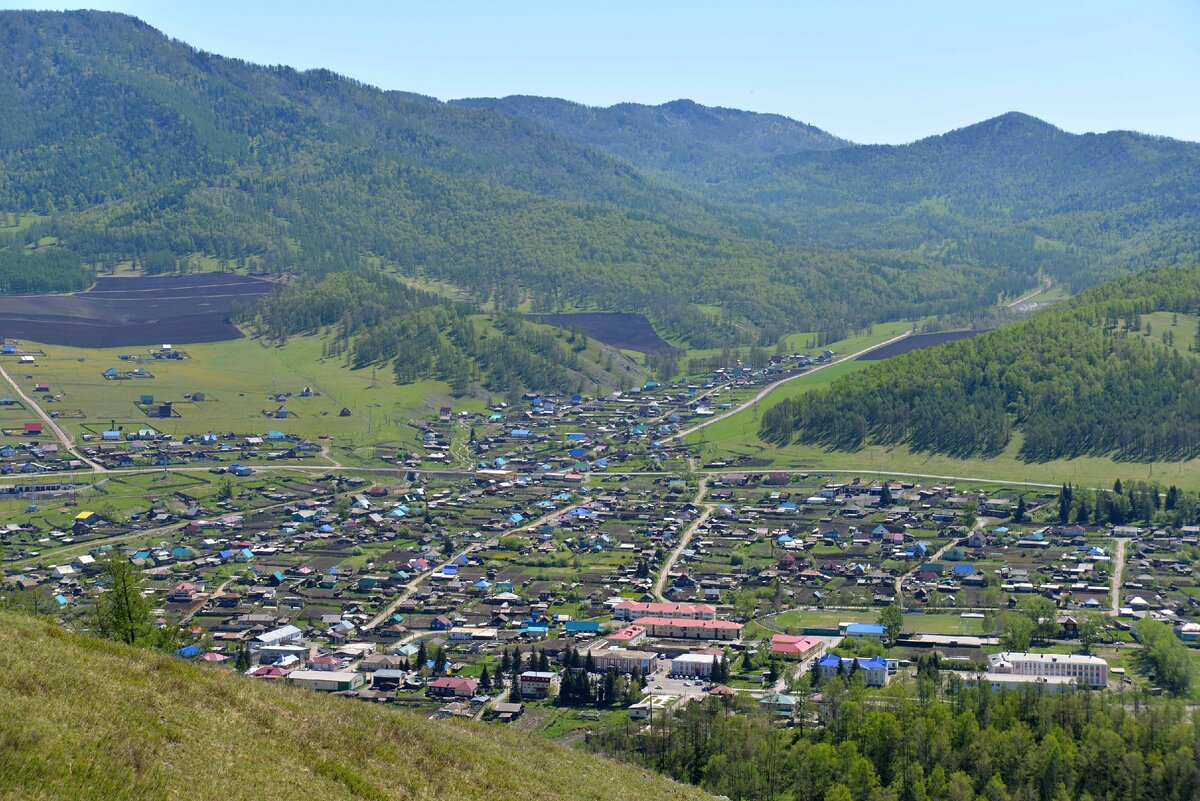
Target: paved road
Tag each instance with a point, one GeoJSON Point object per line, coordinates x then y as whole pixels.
{"type": "Point", "coordinates": [684, 540]}
{"type": "Point", "coordinates": [769, 388]}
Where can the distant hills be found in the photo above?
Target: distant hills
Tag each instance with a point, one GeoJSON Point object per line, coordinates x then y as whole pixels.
{"type": "Point", "coordinates": [87, 719]}
{"type": "Point", "coordinates": [725, 227]}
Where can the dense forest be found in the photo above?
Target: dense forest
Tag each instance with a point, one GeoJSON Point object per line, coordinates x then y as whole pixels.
{"type": "Point", "coordinates": [45, 270]}
{"type": "Point", "coordinates": [374, 320]}
{"type": "Point", "coordinates": [901, 745]}
{"type": "Point", "coordinates": [726, 228]}
{"type": "Point", "coordinates": [1082, 378]}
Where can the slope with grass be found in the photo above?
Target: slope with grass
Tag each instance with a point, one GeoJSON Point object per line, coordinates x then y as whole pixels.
{"type": "Point", "coordinates": [86, 719]}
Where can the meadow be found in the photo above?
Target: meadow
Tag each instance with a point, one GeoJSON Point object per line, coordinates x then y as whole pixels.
{"type": "Point", "coordinates": [240, 380]}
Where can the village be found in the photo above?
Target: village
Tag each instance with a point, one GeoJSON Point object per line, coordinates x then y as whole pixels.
{"type": "Point", "coordinates": [522, 547]}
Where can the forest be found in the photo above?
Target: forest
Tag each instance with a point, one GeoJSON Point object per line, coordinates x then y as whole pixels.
{"type": "Point", "coordinates": [45, 270]}
{"type": "Point", "coordinates": [960, 743]}
{"type": "Point", "coordinates": [1079, 379]}
{"type": "Point", "coordinates": [372, 320]}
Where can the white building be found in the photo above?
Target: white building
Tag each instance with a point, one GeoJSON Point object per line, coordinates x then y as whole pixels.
{"type": "Point", "coordinates": [1088, 670]}
{"type": "Point", "coordinates": [692, 665]}
{"type": "Point", "coordinates": [624, 660]}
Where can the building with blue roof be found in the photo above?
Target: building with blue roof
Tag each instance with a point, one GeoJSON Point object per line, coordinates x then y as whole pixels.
{"type": "Point", "coordinates": [874, 670]}
{"type": "Point", "coordinates": [864, 630]}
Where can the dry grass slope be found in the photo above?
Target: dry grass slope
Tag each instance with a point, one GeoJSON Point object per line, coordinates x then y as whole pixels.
{"type": "Point", "coordinates": [84, 719]}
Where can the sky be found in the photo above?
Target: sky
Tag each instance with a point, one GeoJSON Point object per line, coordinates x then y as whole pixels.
{"type": "Point", "coordinates": [879, 71]}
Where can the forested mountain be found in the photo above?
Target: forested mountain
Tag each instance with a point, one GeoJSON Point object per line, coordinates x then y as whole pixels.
{"type": "Point", "coordinates": [1013, 192]}
{"type": "Point", "coordinates": [683, 140]}
{"type": "Point", "coordinates": [723, 226]}
{"type": "Point", "coordinates": [1082, 378]}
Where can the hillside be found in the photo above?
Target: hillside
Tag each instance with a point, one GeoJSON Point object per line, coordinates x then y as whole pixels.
{"type": "Point", "coordinates": [122, 147]}
{"type": "Point", "coordinates": [1085, 378]}
{"type": "Point", "coordinates": [135, 148]}
{"type": "Point", "coordinates": [1013, 192]}
{"type": "Point", "coordinates": [88, 719]}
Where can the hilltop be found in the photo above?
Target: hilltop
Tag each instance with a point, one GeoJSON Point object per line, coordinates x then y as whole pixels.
{"type": "Point", "coordinates": [89, 719]}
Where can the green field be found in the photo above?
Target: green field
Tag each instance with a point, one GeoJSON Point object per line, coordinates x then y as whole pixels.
{"type": "Point", "coordinates": [1003, 469]}
{"type": "Point", "coordinates": [737, 435]}
{"type": "Point", "coordinates": [239, 379]}
{"type": "Point", "coordinates": [916, 624]}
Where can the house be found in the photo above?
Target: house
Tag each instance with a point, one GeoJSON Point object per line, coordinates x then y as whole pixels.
{"type": "Point", "coordinates": [284, 635]}
{"type": "Point", "coordinates": [779, 703]}
{"type": "Point", "coordinates": [688, 629]}
{"type": "Point", "coordinates": [452, 686]}
{"type": "Point", "coordinates": [536, 684]}
{"type": "Point", "coordinates": [582, 627]}
{"type": "Point", "coordinates": [507, 712]}
{"type": "Point", "coordinates": [874, 670]}
{"type": "Point", "coordinates": [183, 593]}
{"type": "Point", "coordinates": [799, 648]}
{"type": "Point", "coordinates": [632, 610]}
{"type": "Point", "coordinates": [330, 681]}
{"type": "Point", "coordinates": [441, 623]}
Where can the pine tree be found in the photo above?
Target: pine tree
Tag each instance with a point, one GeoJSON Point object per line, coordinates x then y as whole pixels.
{"type": "Point", "coordinates": [485, 680]}
{"type": "Point", "coordinates": [1019, 515]}
{"type": "Point", "coordinates": [422, 656]}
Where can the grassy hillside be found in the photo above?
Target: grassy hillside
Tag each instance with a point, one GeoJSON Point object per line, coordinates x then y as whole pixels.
{"type": "Point", "coordinates": [1111, 374]}
{"type": "Point", "coordinates": [86, 719]}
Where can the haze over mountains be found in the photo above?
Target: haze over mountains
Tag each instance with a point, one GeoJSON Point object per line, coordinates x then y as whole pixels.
{"type": "Point", "coordinates": [725, 227]}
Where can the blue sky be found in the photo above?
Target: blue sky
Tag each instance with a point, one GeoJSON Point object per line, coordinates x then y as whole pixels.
{"type": "Point", "coordinates": [868, 70]}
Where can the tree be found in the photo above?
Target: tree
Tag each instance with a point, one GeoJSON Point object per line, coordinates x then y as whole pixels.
{"type": "Point", "coordinates": [243, 659]}
{"type": "Point", "coordinates": [485, 680]}
{"type": "Point", "coordinates": [892, 620]}
{"type": "Point", "coordinates": [226, 490]}
{"type": "Point", "coordinates": [969, 514]}
{"type": "Point", "coordinates": [422, 656]}
{"type": "Point", "coordinates": [122, 612]}
{"type": "Point", "coordinates": [1042, 612]}
{"type": "Point", "coordinates": [439, 662]}
{"type": "Point", "coordinates": [1019, 515]}
{"type": "Point", "coordinates": [885, 496]}
{"type": "Point", "coordinates": [1016, 631]}
{"type": "Point", "coordinates": [1091, 628]}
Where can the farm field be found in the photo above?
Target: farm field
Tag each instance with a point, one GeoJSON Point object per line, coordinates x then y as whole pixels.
{"type": "Point", "coordinates": [916, 342]}
{"type": "Point", "coordinates": [133, 311]}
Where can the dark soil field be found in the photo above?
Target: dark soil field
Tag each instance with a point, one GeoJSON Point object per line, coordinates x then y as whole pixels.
{"type": "Point", "coordinates": [132, 311]}
{"type": "Point", "coordinates": [620, 330]}
{"type": "Point", "coordinates": [916, 342]}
